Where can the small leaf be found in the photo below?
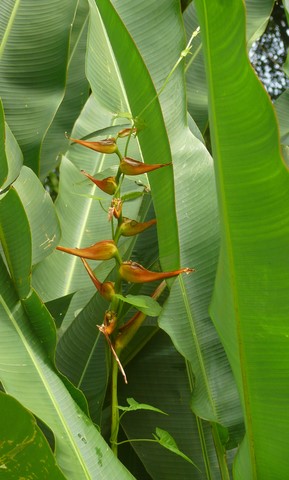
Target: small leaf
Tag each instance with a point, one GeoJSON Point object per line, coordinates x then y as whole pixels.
{"type": "Point", "coordinates": [144, 303]}
{"type": "Point", "coordinates": [134, 405]}
{"type": "Point", "coordinates": [167, 441]}
{"type": "Point", "coordinates": [132, 196]}
{"type": "Point", "coordinates": [112, 130]}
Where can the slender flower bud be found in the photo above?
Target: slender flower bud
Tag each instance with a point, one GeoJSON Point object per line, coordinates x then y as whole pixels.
{"type": "Point", "coordinates": [130, 227]}
{"type": "Point", "coordinates": [129, 166]}
{"type": "Point", "coordinates": [107, 185]}
{"type": "Point", "coordinates": [105, 289]}
{"type": "Point", "coordinates": [126, 132]}
{"type": "Point", "coordinates": [136, 273]}
{"type": "Point", "coordinates": [103, 250]}
{"type": "Point", "coordinates": [102, 146]}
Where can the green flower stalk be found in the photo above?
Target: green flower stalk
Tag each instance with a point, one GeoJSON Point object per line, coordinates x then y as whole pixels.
{"type": "Point", "coordinates": [135, 273]}
{"type": "Point", "coordinates": [102, 146]}
{"type": "Point", "coordinates": [129, 166]}
{"type": "Point", "coordinates": [107, 185]}
{"type": "Point", "coordinates": [105, 289]}
{"type": "Point", "coordinates": [104, 250]}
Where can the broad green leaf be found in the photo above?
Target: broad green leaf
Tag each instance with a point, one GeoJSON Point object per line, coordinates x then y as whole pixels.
{"type": "Point", "coordinates": [134, 405]}
{"type": "Point", "coordinates": [143, 303]}
{"type": "Point", "coordinates": [81, 354]}
{"type": "Point", "coordinates": [24, 370]}
{"type": "Point", "coordinates": [15, 238]}
{"type": "Point", "coordinates": [76, 93]}
{"type": "Point", "coordinates": [258, 14]}
{"type": "Point", "coordinates": [167, 441]}
{"type": "Point", "coordinates": [23, 446]}
{"type": "Point", "coordinates": [40, 211]}
{"type": "Point", "coordinates": [250, 303]}
{"type": "Point", "coordinates": [110, 72]}
{"type": "Point", "coordinates": [10, 154]}
{"type": "Point", "coordinates": [33, 53]}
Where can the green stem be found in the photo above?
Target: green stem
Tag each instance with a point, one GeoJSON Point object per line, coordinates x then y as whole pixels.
{"type": "Point", "coordinates": [181, 57]}
{"type": "Point", "coordinates": [202, 438]}
{"type": "Point", "coordinates": [138, 440]}
{"type": "Point", "coordinates": [114, 407]}
{"type": "Point", "coordinates": [221, 453]}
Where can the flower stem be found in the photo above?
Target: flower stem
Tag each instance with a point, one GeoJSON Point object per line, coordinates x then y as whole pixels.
{"type": "Point", "coordinates": [114, 407]}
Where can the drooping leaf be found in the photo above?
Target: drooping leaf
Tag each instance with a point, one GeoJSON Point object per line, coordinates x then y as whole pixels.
{"type": "Point", "coordinates": [76, 93]}
{"type": "Point", "coordinates": [10, 154]}
{"type": "Point", "coordinates": [34, 58]}
{"type": "Point", "coordinates": [134, 405]}
{"type": "Point", "coordinates": [143, 303]}
{"type": "Point", "coordinates": [15, 238]}
{"type": "Point", "coordinates": [167, 441]}
{"type": "Point", "coordinates": [24, 369]}
{"type": "Point", "coordinates": [23, 446]}
{"type": "Point", "coordinates": [40, 211]}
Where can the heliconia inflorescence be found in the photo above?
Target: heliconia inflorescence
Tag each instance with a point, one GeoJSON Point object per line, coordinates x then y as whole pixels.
{"type": "Point", "coordinates": [107, 249]}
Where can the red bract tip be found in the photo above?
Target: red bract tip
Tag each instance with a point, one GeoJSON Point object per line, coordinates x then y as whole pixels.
{"type": "Point", "coordinates": [129, 166]}
{"type": "Point", "coordinates": [130, 227]}
{"type": "Point", "coordinates": [136, 273]}
{"type": "Point", "coordinates": [102, 146]}
{"type": "Point", "coordinates": [107, 185]}
{"type": "Point", "coordinates": [105, 289]}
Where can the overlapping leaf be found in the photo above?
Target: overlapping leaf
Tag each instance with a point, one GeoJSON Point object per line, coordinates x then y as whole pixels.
{"type": "Point", "coordinates": [81, 451]}
{"type": "Point", "coordinates": [250, 305]}
{"type": "Point", "coordinates": [34, 53]}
